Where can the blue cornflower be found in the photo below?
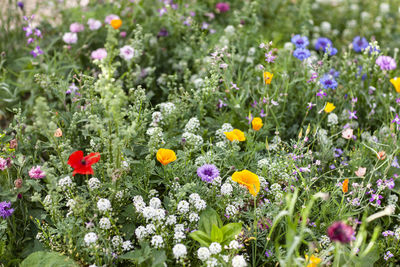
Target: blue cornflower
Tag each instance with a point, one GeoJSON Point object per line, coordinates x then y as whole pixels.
{"type": "Point", "coordinates": [359, 43]}
{"type": "Point", "coordinates": [300, 41]}
{"type": "Point", "coordinates": [324, 44]}
{"type": "Point", "coordinates": [208, 172]}
{"type": "Point", "coordinates": [334, 73]}
{"type": "Point", "coordinates": [328, 81]}
{"type": "Point", "coordinates": [301, 53]}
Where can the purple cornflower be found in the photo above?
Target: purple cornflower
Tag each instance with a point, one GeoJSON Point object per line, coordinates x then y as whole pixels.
{"type": "Point", "coordinates": [37, 51]}
{"type": "Point", "coordinates": [377, 198]}
{"type": "Point", "coordinates": [301, 53]}
{"type": "Point", "coordinates": [396, 119]}
{"type": "Point", "coordinates": [36, 173]}
{"type": "Point", "coordinates": [359, 43]}
{"type": "Point", "coordinates": [352, 115]}
{"type": "Point", "coordinates": [321, 94]}
{"type": "Point", "coordinates": [386, 63]}
{"type": "Point", "coordinates": [222, 7]}
{"type": "Point", "coordinates": [5, 209]}
{"type": "Point", "coordinates": [324, 44]}
{"type": "Point", "coordinates": [269, 57]}
{"type": "Point", "coordinates": [339, 231]}
{"type": "Point", "coordinates": [3, 164]}
{"type": "Point", "coordinates": [300, 41]}
{"type": "Point", "coordinates": [328, 81]}
{"type": "Point", "coordinates": [208, 172]}
{"type": "Point", "coordinates": [387, 255]}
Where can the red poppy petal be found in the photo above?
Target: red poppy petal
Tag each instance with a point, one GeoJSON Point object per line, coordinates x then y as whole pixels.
{"type": "Point", "coordinates": [84, 170]}
{"type": "Point", "coordinates": [75, 159]}
{"type": "Point", "coordinates": [92, 158]}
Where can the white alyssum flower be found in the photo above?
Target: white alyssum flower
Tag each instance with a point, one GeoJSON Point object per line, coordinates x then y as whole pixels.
{"type": "Point", "coordinates": [212, 262]}
{"type": "Point", "coordinates": [194, 217]}
{"type": "Point", "coordinates": [90, 238]}
{"type": "Point", "coordinates": [194, 197]}
{"type": "Point", "coordinates": [229, 30]}
{"type": "Point", "coordinates": [215, 248]}
{"type": "Point", "coordinates": [105, 223]}
{"type": "Point", "coordinates": [150, 228]}
{"type": "Point", "coordinates": [193, 125]}
{"type": "Point", "coordinates": [104, 204]}
{"type": "Point", "coordinates": [139, 203]}
{"type": "Point", "coordinates": [203, 253]}
{"type": "Point", "coordinates": [141, 232]}
{"type": "Point", "coordinates": [231, 210]}
{"type": "Point", "coordinates": [157, 241]}
{"type": "Point", "coordinates": [93, 183]}
{"type": "Point", "coordinates": [179, 236]}
{"type": "Point", "coordinates": [183, 206]}
{"type": "Point", "coordinates": [226, 189]}
{"type": "Point", "coordinates": [65, 182]}
{"type": "Point", "coordinates": [239, 261]}
{"type": "Point", "coordinates": [159, 215]}
{"type": "Point", "coordinates": [71, 203]}
{"type": "Point", "coordinates": [127, 245]}
{"type": "Point", "coordinates": [226, 127]}
{"type": "Point", "coordinates": [200, 205]}
{"type": "Point", "coordinates": [171, 220]}
{"type": "Point", "coordinates": [148, 213]}
{"type": "Point", "coordinates": [116, 241]}
{"type": "Point", "coordinates": [332, 119]}
{"type": "Point", "coordinates": [167, 108]}
{"type": "Point", "coordinates": [234, 245]}
{"type": "Point", "coordinates": [119, 195]}
{"type": "Point", "coordinates": [179, 251]}
{"type": "Point", "coordinates": [157, 117]}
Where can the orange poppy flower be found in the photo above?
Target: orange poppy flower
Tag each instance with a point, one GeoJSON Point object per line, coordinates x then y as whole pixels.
{"type": "Point", "coordinates": [116, 23]}
{"type": "Point", "coordinates": [249, 180]}
{"type": "Point", "coordinates": [165, 156]}
{"type": "Point", "coordinates": [257, 123]}
{"type": "Point", "coordinates": [381, 155]}
{"type": "Point", "coordinates": [345, 186]}
{"type": "Point", "coordinates": [235, 135]}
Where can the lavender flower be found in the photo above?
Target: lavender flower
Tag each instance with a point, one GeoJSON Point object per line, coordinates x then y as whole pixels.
{"type": "Point", "coordinates": [301, 53]}
{"type": "Point", "coordinates": [321, 94]}
{"type": "Point", "coordinates": [328, 81]}
{"type": "Point", "coordinates": [300, 41]}
{"type": "Point", "coordinates": [36, 172]}
{"type": "Point", "coordinates": [359, 43]}
{"type": "Point", "coordinates": [163, 33]}
{"type": "Point", "coordinates": [341, 232]}
{"type": "Point", "coordinates": [5, 209]}
{"type": "Point", "coordinates": [208, 172]}
{"type": "Point", "coordinates": [387, 255]}
{"type": "Point", "coordinates": [352, 115]}
{"type": "Point", "coordinates": [386, 63]}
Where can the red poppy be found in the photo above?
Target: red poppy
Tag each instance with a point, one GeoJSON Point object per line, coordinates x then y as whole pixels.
{"type": "Point", "coordinates": [81, 164]}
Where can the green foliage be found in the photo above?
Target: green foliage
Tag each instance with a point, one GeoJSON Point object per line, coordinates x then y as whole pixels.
{"type": "Point", "coordinates": [47, 259]}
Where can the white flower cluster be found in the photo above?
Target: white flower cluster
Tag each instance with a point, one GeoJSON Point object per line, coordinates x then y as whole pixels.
{"type": "Point", "coordinates": [65, 182]}
{"type": "Point", "coordinates": [157, 118]}
{"type": "Point", "coordinates": [179, 251]}
{"type": "Point", "coordinates": [226, 189]}
{"type": "Point", "coordinates": [167, 108]}
{"type": "Point", "coordinates": [192, 139]}
{"type": "Point", "coordinates": [90, 238]}
{"type": "Point", "coordinates": [332, 119]}
{"type": "Point", "coordinates": [226, 127]}
{"type": "Point", "coordinates": [193, 125]}
{"type": "Point", "coordinates": [117, 242]}
{"type": "Point", "coordinates": [93, 183]}
{"type": "Point", "coordinates": [105, 223]}
{"type": "Point", "coordinates": [104, 205]}
{"type": "Point", "coordinates": [239, 261]}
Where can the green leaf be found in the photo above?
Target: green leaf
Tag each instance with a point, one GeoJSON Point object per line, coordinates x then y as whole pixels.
{"type": "Point", "coordinates": [208, 218]}
{"type": "Point", "coordinates": [216, 234]}
{"type": "Point", "coordinates": [229, 232]}
{"type": "Point", "coordinates": [48, 259]}
{"type": "Point", "coordinates": [201, 237]}
{"type": "Point", "coordinates": [159, 258]}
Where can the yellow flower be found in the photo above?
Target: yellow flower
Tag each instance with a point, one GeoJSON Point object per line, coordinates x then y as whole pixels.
{"type": "Point", "coordinates": [116, 23]}
{"type": "Point", "coordinates": [329, 107]}
{"type": "Point", "coordinates": [396, 83]}
{"type": "Point", "coordinates": [268, 77]}
{"type": "Point", "coordinates": [165, 156]}
{"type": "Point", "coordinates": [257, 123]}
{"type": "Point", "coordinates": [235, 135]}
{"type": "Point", "coordinates": [314, 261]}
{"type": "Point", "coordinates": [248, 179]}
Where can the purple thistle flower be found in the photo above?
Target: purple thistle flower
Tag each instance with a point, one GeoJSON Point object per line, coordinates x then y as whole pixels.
{"type": "Point", "coordinates": [359, 43]}
{"type": "Point", "coordinates": [396, 119]}
{"type": "Point", "coordinates": [5, 209]}
{"type": "Point", "coordinates": [208, 172]}
{"type": "Point", "coordinates": [328, 81]}
{"type": "Point", "coordinates": [301, 53]}
{"type": "Point", "coordinates": [386, 63]}
{"type": "Point", "coordinates": [352, 115]}
{"type": "Point", "coordinates": [36, 173]}
{"type": "Point", "coordinates": [300, 41]}
{"type": "Point", "coordinates": [341, 232]}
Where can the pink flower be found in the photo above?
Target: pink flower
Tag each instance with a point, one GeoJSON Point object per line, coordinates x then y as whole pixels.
{"type": "Point", "coordinates": [360, 172]}
{"type": "Point", "coordinates": [76, 27]}
{"type": "Point", "coordinates": [347, 134]}
{"type": "Point", "coordinates": [339, 231]}
{"type": "Point", "coordinates": [127, 52]}
{"type": "Point", "coordinates": [110, 17]}
{"type": "Point", "coordinates": [36, 173]}
{"type": "Point", "coordinates": [222, 7]}
{"type": "Point", "coordinates": [70, 37]}
{"type": "Point", "coordinates": [3, 164]}
{"type": "Point", "coordinates": [386, 63]}
{"type": "Point", "coordinates": [99, 54]}
{"type": "Point", "coordinates": [94, 24]}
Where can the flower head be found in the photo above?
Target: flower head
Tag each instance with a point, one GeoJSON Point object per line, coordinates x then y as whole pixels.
{"type": "Point", "coordinates": [116, 23]}
{"type": "Point", "coordinates": [165, 156]}
{"type": "Point", "coordinates": [235, 134]}
{"type": "Point", "coordinates": [268, 77]}
{"type": "Point", "coordinates": [347, 134]}
{"type": "Point", "coordinates": [328, 81]}
{"type": "Point", "coordinates": [5, 209]}
{"type": "Point", "coordinates": [345, 186]}
{"type": "Point", "coordinates": [249, 180]}
{"type": "Point", "coordinates": [359, 43]}
{"type": "Point", "coordinates": [325, 45]}
{"type": "Point", "coordinates": [300, 41]}
{"type": "Point", "coordinates": [58, 133]}
{"type": "Point", "coordinates": [313, 261]}
{"type": "Point", "coordinates": [99, 54]}
{"type": "Point", "coordinates": [70, 37]}
{"type": "Point", "coordinates": [257, 123]}
{"type": "Point", "coordinates": [222, 7]}
{"type": "Point", "coordinates": [76, 27]}
{"type": "Point", "coordinates": [386, 63]}
{"type": "Point", "coordinates": [36, 172]}
{"type": "Point", "coordinates": [396, 83]}
{"type": "Point", "coordinates": [127, 52]}
{"type": "Point", "coordinates": [94, 24]}
{"type": "Point", "coordinates": [341, 232]}
{"type": "Point", "coordinates": [208, 172]}
{"type": "Point", "coordinates": [301, 53]}
{"type": "Point", "coordinates": [329, 107]}
{"type": "Point", "coordinates": [381, 155]}
{"type": "Point", "coordinates": [360, 172]}
{"type": "Point", "coordinates": [81, 164]}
